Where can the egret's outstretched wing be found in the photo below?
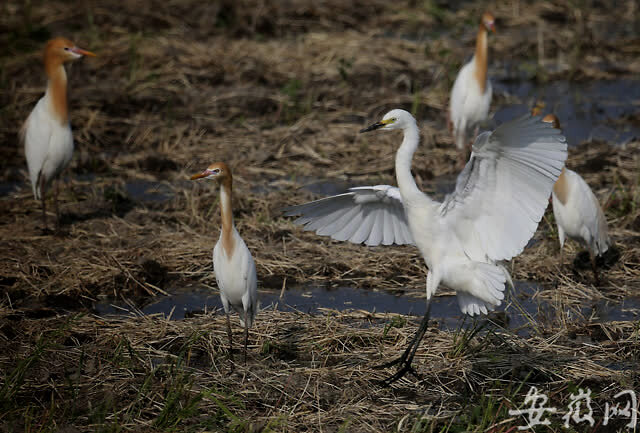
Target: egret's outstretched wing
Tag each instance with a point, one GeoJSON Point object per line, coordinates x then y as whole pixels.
{"type": "Point", "coordinates": [370, 214]}
{"type": "Point", "coordinates": [504, 189]}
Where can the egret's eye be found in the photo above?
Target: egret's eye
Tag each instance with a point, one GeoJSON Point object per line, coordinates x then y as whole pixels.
{"type": "Point", "coordinates": [215, 171]}
{"type": "Point", "coordinates": [393, 119]}
{"type": "Point", "coordinates": [66, 48]}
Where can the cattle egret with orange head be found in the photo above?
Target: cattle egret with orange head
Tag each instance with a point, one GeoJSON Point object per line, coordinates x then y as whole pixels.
{"type": "Point", "coordinates": [471, 93]}
{"type": "Point", "coordinates": [48, 141]}
{"type": "Point", "coordinates": [578, 213]}
{"type": "Point", "coordinates": [232, 261]}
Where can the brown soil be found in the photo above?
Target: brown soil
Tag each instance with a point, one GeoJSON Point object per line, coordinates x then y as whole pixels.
{"type": "Point", "coordinates": [279, 90]}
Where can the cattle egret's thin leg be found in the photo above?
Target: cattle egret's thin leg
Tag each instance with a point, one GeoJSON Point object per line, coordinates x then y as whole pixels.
{"type": "Point", "coordinates": [594, 268]}
{"type": "Point", "coordinates": [246, 336]}
{"type": "Point", "coordinates": [44, 205]}
{"type": "Point", "coordinates": [462, 158]}
{"type": "Point", "coordinates": [55, 201]}
{"type": "Point", "coordinates": [44, 212]}
{"type": "Point", "coordinates": [407, 357]}
{"type": "Point", "coordinates": [472, 139]}
{"type": "Point", "coordinates": [230, 336]}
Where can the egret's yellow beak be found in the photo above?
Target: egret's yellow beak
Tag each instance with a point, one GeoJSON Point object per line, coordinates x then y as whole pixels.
{"type": "Point", "coordinates": [200, 175]}
{"type": "Point", "coordinates": [377, 125]}
{"type": "Point", "coordinates": [83, 52]}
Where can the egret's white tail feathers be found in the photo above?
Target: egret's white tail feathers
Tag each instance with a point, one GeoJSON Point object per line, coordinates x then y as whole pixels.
{"type": "Point", "coordinates": [473, 306]}
{"type": "Point", "coordinates": [486, 289]}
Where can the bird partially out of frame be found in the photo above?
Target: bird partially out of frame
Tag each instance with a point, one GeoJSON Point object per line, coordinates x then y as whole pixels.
{"type": "Point", "coordinates": [578, 213]}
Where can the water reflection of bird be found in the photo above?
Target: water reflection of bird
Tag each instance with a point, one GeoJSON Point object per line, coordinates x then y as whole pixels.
{"type": "Point", "coordinates": [48, 141]}
{"type": "Point", "coordinates": [499, 199]}
{"type": "Point", "coordinates": [232, 261]}
{"type": "Point", "coordinates": [578, 213]}
{"type": "Point", "coordinates": [471, 92]}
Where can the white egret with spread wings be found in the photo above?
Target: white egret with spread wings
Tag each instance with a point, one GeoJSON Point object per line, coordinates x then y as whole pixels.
{"type": "Point", "coordinates": [499, 199]}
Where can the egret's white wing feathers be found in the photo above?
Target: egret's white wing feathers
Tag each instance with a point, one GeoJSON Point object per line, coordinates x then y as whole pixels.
{"type": "Point", "coordinates": [601, 240]}
{"type": "Point", "coordinates": [250, 298]}
{"type": "Point", "coordinates": [503, 191]}
{"type": "Point", "coordinates": [498, 202]}
{"type": "Point", "coordinates": [237, 279]}
{"type": "Point", "coordinates": [370, 214]}
{"type": "Point", "coordinates": [36, 135]}
{"type": "Point", "coordinates": [48, 146]}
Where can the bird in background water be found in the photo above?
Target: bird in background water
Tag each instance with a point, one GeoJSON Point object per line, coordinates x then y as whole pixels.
{"type": "Point", "coordinates": [499, 199]}
{"type": "Point", "coordinates": [233, 264]}
{"type": "Point", "coordinates": [578, 213]}
{"type": "Point", "coordinates": [48, 141]}
{"type": "Point", "coordinates": [471, 93]}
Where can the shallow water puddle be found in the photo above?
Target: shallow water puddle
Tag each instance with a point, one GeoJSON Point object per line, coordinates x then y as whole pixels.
{"type": "Point", "coordinates": [185, 302]}
{"type": "Point", "coordinates": [148, 191]}
{"type": "Point", "coordinates": [591, 110]}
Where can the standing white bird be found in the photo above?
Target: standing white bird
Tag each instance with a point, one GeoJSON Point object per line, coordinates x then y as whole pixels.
{"type": "Point", "coordinates": [578, 213]}
{"type": "Point", "coordinates": [48, 141]}
{"type": "Point", "coordinates": [499, 199]}
{"type": "Point", "coordinates": [471, 93]}
{"type": "Point", "coordinates": [232, 261]}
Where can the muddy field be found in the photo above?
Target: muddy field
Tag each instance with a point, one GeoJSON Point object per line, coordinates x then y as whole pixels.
{"type": "Point", "coordinates": [279, 90]}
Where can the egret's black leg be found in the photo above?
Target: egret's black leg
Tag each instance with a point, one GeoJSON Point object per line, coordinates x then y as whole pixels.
{"type": "Point", "coordinates": [246, 336]}
{"type": "Point", "coordinates": [40, 182]}
{"type": "Point", "coordinates": [407, 357]}
{"type": "Point", "coordinates": [44, 211]}
{"type": "Point", "coordinates": [55, 201]}
{"type": "Point", "coordinates": [230, 335]}
{"type": "Point", "coordinates": [594, 268]}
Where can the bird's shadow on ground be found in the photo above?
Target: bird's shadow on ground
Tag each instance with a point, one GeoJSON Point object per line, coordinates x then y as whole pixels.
{"type": "Point", "coordinates": [116, 203]}
{"type": "Point", "coordinates": [582, 260]}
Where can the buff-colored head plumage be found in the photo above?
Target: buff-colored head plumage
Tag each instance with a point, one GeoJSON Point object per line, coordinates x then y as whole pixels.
{"type": "Point", "coordinates": [552, 119]}
{"type": "Point", "coordinates": [62, 50]}
{"type": "Point", "coordinates": [217, 171]}
{"type": "Point", "coordinates": [488, 21]}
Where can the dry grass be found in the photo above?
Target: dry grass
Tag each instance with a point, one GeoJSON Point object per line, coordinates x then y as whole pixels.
{"type": "Point", "coordinates": [305, 373]}
{"type": "Point", "coordinates": [278, 90]}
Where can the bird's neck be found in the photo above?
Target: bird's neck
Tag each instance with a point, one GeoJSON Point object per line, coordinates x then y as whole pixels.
{"type": "Point", "coordinates": [406, 183]}
{"type": "Point", "coordinates": [480, 58]}
{"type": "Point", "coordinates": [226, 216]}
{"type": "Point", "coordinates": [57, 90]}
{"type": "Point", "coordinates": [561, 188]}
